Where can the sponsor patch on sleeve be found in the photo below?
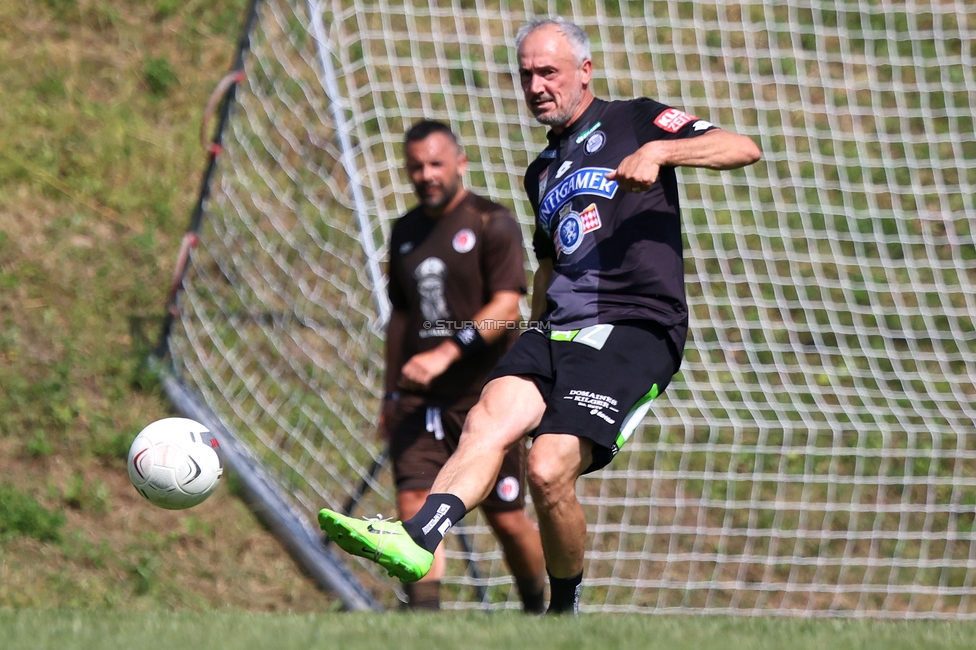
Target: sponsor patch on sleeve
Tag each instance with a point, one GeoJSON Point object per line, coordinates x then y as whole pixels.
{"type": "Point", "coordinates": [672, 120]}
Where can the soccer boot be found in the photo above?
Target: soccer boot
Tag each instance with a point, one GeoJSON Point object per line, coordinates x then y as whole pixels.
{"type": "Point", "coordinates": [383, 542]}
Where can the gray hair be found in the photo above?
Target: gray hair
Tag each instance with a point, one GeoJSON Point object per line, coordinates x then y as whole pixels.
{"type": "Point", "coordinates": [578, 40]}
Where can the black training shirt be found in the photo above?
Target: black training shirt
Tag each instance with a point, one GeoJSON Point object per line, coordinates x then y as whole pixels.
{"type": "Point", "coordinates": [617, 255]}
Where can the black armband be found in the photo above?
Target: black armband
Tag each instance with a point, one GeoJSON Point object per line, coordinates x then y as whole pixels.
{"type": "Point", "coordinates": [469, 339]}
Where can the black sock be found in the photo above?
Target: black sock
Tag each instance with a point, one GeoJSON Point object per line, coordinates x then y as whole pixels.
{"type": "Point", "coordinates": [564, 594]}
{"type": "Point", "coordinates": [436, 516]}
{"type": "Point", "coordinates": [533, 594]}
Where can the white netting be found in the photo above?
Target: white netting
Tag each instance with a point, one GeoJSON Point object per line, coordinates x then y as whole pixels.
{"type": "Point", "coordinates": [815, 456]}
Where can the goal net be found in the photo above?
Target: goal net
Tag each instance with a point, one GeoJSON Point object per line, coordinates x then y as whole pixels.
{"type": "Point", "coordinates": [816, 455]}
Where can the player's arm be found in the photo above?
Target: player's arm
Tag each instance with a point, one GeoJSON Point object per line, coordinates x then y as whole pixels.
{"type": "Point", "coordinates": [396, 331]}
{"type": "Point", "coordinates": [498, 316]}
{"type": "Point", "coordinates": [490, 324]}
{"type": "Point", "coordinates": [718, 149]}
{"type": "Point", "coordinates": [396, 335]}
{"type": "Point", "coordinates": [540, 284]}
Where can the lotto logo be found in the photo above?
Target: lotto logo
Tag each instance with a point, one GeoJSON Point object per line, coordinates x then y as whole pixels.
{"type": "Point", "coordinates": [672, 120]}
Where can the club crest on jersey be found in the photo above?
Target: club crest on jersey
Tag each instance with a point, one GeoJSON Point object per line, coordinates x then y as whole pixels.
{"type": "Point", "coordinates": [572, 227]}
{"type": "Point", "coordinates": [594, 143]}
{"type": "Point", "coordinates": [569, 234]}
{"type": "Point", "coordinates": [543, 181]}
{"type": "Point", "coordinates": [585, 181]}
{"type": "Point", "coordinates": [464, 240]}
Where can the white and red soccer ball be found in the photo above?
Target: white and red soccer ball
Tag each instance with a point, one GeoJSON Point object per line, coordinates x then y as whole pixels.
{"type": "Point", "coordinates": [174, 464]}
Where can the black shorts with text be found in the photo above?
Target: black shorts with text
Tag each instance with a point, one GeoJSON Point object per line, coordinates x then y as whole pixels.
{"type": "Point", "coordinates": [597, 382]}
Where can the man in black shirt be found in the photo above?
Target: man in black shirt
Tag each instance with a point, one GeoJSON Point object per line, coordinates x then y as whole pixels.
{"type": "Point", "coordinates": [608, 297]}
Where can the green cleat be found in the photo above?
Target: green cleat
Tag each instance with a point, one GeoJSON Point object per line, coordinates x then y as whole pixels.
{"type": "Point", "coordinates": [383, 542]}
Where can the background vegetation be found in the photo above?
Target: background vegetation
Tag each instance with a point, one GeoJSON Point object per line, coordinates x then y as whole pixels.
{"type": "Point", "coordinates": [99, 166]}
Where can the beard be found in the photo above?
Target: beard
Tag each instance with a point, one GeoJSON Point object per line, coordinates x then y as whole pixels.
{"type": "Point", "coordinates": [558, 118]}
{"type": "Point", "coordinates": [438, 202]}
{"type": "Point", "coordinates": [561, 116]}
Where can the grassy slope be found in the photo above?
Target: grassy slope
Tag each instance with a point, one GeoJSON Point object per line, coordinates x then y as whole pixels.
{"type": "Point", "coordinates": [99, 167]}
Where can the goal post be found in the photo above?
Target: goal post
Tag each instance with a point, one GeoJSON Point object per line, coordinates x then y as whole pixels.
{"type": "Point", "coordinates": [815, 456]}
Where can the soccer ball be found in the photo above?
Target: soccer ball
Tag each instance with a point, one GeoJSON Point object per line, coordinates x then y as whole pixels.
{"type": "Point", "coordinates": [173, 463]}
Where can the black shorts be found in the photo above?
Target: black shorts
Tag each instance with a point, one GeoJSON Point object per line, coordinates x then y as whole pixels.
{"type": "Point", "coordinates": [418, 454]}
{"type": "Point", "coordinates": [597, 382]}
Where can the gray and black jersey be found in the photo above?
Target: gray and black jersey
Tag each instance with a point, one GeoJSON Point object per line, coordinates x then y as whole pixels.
{"type": "Point", "coordinates": [617, 256]}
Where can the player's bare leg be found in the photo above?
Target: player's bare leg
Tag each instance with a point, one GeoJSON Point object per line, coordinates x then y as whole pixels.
{"type": "Point", "coordinates": [555, 463]}
{"type": "Point", "coordinates": [509, 408]}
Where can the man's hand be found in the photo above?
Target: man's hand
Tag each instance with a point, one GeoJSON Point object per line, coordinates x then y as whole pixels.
{"type": "Point", "coordinates": [423, 368]}
{"type": "Point", "coordinates": [638, 171]}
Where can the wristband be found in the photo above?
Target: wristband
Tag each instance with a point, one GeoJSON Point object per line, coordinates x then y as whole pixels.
{"type": "Point", "coordinates": [469, 339]}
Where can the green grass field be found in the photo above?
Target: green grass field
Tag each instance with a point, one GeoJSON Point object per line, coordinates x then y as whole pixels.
{"type": "Point", "coordinates": [39, 629]}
